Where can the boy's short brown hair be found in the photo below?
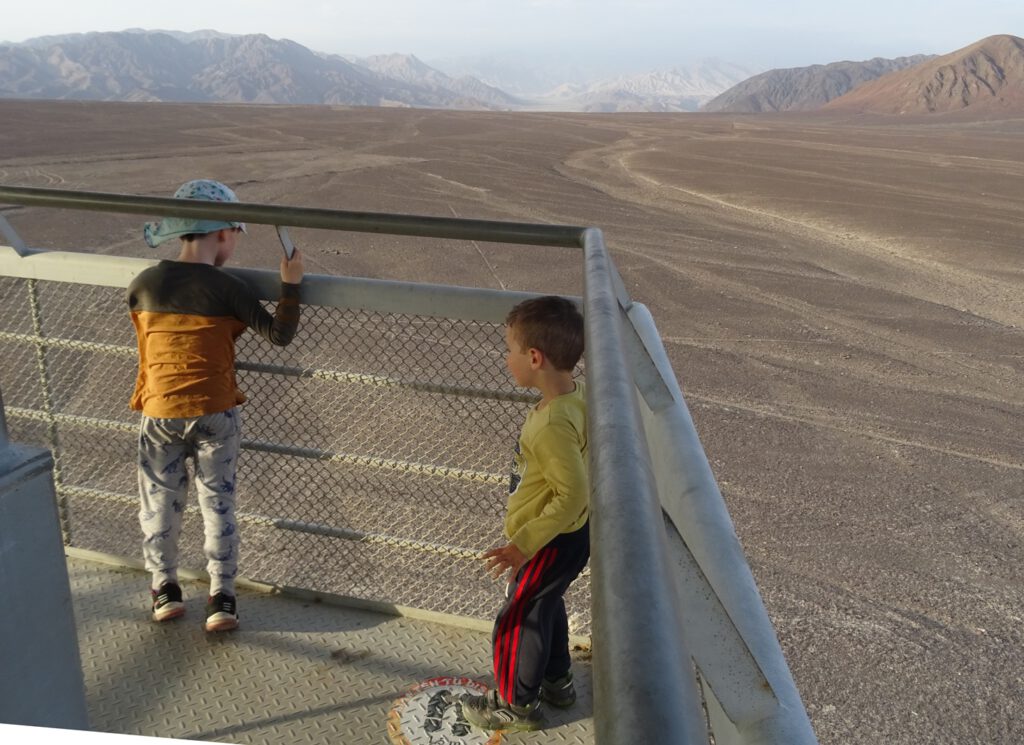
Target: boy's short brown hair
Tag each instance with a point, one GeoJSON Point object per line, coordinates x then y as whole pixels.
{"type": "Point", "coordinates": [552, 324]}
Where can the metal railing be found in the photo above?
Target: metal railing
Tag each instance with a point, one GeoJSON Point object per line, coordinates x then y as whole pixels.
{"type": "Point", "coordinates": [338, 444]}
{"type": "Point", "coordinates": [3, 425]}
{"type": "Point", "coordinates": [692, 632]}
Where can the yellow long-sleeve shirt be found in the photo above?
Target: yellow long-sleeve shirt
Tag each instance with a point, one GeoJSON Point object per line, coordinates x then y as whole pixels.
{"type": "Point", "coordinates": [549, 492]}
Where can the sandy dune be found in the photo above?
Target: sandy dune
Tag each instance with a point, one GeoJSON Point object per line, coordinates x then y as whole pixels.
{"type": "Point", "coordinates": [842, 300]}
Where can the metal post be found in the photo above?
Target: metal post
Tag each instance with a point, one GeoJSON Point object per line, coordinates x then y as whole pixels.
{"type": "Point", "coordinates": [645, 687]}
{"type": "Point", "coordinates": [41, 682]}
{"type": "Point", "coordinates": [4, 440]}
{"type": "Point", "coordinates": [47, 396]}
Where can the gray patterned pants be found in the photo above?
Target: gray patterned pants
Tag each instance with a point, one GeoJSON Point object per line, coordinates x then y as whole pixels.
{"type": "Point", "coordinates": [164, 444]}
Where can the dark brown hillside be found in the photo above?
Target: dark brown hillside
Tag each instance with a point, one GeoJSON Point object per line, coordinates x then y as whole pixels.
{"type": "Point", "coordinates": [804, 88]}
{"type": "Point", "coordinates": [987, 78]}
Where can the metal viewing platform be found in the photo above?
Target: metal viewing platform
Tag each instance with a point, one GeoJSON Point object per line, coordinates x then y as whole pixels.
{"type": "Point", "coordinates": [375, 462]}
{"type": "Point", "coordinates": [299, 670]}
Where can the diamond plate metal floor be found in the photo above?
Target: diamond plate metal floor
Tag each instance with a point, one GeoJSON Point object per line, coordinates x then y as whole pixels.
{"type": "Point", "coordinates": [296, 671]}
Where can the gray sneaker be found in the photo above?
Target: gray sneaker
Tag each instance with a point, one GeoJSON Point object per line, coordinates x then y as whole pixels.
{"type": "Point", "coordinates": [490, 711]}
{"type": "Point", "coordinates": [558, 692]}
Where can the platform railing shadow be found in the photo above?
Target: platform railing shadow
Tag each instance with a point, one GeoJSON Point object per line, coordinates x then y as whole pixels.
{"type": "Point", "coordinates": [383, 433]}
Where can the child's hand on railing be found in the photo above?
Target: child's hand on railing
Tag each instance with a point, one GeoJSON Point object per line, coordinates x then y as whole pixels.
{"type": "Point", "coordinates": [292, 269]}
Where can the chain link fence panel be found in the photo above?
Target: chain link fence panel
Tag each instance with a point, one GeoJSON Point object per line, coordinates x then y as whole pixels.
{"type": "Point", "coordinates": [376, 447]}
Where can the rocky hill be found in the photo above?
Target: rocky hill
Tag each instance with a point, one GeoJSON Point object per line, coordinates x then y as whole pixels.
{"type": "Point", "coordinates": [986, 78]}
{"type": "Point", "coordinates": [410, 69]}
{"type": "Point", "coordinates": [804, 88]}
{"type": "Point", "coordinates": [672, 90]}
{"type": "Point", "coordinates": [207, 66]}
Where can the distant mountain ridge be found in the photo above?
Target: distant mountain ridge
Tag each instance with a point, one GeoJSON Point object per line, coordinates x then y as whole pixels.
{"type": "Point", "coordinates": [209, 66]}
{"type": "Point", "coordinates": [986, 77]}
{"type": "Point", "coordinates": [412, 70]}
{"type": "Point", "coordinates": [45, 41]}
{"type": "Point", "coordinates": [672, 90]}
{"type": "Point", "coordinates": [804, 88]}
{"type": "Point", "coordinates": [206, 67]}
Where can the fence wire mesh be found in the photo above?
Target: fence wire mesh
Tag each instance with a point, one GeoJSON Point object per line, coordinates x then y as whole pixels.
{"type": "Point", "coordinates": [376, 447]}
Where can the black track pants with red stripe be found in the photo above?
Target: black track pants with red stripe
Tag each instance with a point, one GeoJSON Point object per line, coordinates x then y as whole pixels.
{"type": "Point", "coordinates": [531, 633]}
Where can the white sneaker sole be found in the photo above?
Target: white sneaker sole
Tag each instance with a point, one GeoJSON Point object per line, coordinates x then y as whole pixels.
{"type": "Point", "coordinates": [221, 622]}
{"type": "Point", "coordinates": [169, 611]}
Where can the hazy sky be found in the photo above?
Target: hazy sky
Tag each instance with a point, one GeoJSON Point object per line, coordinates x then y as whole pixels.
{"type": "Point", "coordinates": [616, 33]}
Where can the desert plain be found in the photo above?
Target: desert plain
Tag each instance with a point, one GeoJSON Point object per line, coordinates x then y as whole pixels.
{"type": "Point", "coordinates": [841, 297]}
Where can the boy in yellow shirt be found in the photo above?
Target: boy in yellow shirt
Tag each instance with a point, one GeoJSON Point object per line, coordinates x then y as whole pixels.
{"type": "Point", "coordinates": [546, 523]}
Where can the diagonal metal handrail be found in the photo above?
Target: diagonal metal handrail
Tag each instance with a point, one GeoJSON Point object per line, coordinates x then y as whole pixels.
{"type": "Point", "coordinates": [637, 623]}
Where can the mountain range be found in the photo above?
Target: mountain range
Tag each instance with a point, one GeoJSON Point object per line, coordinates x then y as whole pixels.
{"type": "Point", "coordinates": [158, 66]}
{"type": "Point", "coordinates": [672, 90]}
{"type": "Point", "coordinates": [210, 66]}
{"type": "Point", "coordinates": [986, 78]}
{"type": "Point", "coordinates": [804, 88]}
{"type": "Point", "coordinates": [206, 66]}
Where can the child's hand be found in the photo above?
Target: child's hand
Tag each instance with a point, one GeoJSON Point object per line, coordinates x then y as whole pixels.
{"type": "Point", "coordinates": [506, 557]}
{"type": "Point", "coordinates": [293, 269]}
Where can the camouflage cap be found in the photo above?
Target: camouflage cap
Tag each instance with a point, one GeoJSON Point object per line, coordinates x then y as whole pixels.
{"type": "Point", "coordinates": [156, 233]}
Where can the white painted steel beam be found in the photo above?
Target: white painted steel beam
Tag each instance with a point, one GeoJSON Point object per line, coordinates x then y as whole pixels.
{"type": "Point", "coordinates": [691, 499]}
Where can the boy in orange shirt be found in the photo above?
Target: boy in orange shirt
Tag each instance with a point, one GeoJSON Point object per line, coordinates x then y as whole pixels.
{"type": "Point", "coordinates": [187, 315]}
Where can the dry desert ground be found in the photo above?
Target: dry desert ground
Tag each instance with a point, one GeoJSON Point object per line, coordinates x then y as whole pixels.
{"type": "Point", "coordinates": [842, 301]}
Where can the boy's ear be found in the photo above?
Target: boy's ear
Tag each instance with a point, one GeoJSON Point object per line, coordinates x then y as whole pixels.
{"type": "Point", "coordinates": [536, 358]}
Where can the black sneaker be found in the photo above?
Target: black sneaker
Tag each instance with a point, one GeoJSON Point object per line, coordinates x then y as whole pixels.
{"type": "Point", "coordinates": [558, 692]}
{"type": "Point", "coordinates": [490, 711]}
{"type": "Point", "coordinates": [221, 613]}
{"type": "Point", "coordinates": [167, 602]}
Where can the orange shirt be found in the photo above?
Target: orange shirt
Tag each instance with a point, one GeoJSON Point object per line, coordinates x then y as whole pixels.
{"type": "Point", "coordinates": [187, 317]}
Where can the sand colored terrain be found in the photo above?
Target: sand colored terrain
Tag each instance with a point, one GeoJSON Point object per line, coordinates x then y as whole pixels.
{"type": "Point", "coordinates": [842, 300]}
